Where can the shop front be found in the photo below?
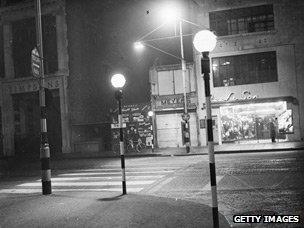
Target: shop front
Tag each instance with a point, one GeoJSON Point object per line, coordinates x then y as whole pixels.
{"type": "Point", "coordinates": [256, 122]}
{"type": "Point", "coordinates": [168, 119]}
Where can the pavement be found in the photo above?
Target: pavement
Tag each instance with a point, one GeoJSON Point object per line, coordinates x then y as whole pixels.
{"type": "Point", "coordinates": [75, 161]}
{"type": "Point", "coordinates": [252, 146]}
{"type": "Point", "coordinates": [104, 209]}
{"type": "Point", "coordinates": [262, 146]}
{"type": "Point", "coordinates": [110, 209]}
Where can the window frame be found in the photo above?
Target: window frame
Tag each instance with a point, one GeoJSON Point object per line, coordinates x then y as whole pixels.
{"type": "Point", "coordinates": [252, 19]}
{"type": "Point", "coordinates": [247, 68]}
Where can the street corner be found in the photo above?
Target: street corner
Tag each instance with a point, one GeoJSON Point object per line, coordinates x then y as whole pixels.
{"type": "Point", "coordinates": [153, 211]}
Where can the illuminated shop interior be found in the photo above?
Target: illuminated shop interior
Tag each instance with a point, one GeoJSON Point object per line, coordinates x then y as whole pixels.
{"type": "Point", "coordinates": [251, 122]}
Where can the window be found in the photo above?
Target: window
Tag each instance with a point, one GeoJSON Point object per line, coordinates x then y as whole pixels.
{"type": "Point", "coordinates": [244, 69]}
{"type": "Point", "coordinates": [243, 20]}
{"type": "Point", "coordinates": [2, 69]}
{"type": "Point", "coordinates": [13, 2]}
{"type": "Point", "coordinates": [24, 40]}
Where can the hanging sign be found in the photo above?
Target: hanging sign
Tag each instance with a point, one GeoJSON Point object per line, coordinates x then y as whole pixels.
{"type": "Point", "coordinates": [35, 63]}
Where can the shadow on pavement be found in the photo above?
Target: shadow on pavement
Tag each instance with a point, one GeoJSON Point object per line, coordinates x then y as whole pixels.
{"type": "Point", "coordinates": [111, 198]}
{"type": "Point", "coordinates": [89, 210]}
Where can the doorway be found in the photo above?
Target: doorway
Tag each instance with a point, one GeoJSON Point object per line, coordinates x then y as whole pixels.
{"type": "Point", "coordinates": [27, 124]}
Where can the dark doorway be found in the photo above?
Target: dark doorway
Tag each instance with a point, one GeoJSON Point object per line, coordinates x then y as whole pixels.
{"type": "Point", "coordinates": [27, 124]}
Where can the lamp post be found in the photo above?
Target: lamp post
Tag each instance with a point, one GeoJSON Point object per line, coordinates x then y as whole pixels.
{"type": "Point", "coordinates": [205, 41]}
{"type": "Point", "coordinates": [44, 145]}
{"type": "Point", "coordinates": [186, 116]}
{"type": "Point", "coordinates": [118, 81]}
{"type": "Point", "coordinates": [170, 13]}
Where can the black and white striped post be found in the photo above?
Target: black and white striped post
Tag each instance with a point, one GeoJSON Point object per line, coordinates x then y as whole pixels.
{"type": "Point", "coordinates": [205, 61]}
{"type": "Point", "coordinates": [44, 145]}
{"type": "Point", "coordinates": [118, 81]}
{"type": "Point", "coordinates": [205, 41]}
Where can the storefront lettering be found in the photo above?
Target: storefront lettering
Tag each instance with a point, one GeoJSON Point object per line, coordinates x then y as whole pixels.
{"type": "Point", "coordinates": [174, 100]}
{"type": "Point", "coordinates": [245, 95]}
{"type": "Point", "coordinates": [30, 86]}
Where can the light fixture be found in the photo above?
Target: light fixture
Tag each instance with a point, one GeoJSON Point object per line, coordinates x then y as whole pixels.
{"type": "Point", "coordinates": [204, 41]}
{"type": "Point", "coordinates": [118, 81]}
{"type": "Point", "coordinates": [138, 45]}
{"type": "Point", "coordinates": [150, 113]}
{"type": "Point", "coordinates": [170, 12]}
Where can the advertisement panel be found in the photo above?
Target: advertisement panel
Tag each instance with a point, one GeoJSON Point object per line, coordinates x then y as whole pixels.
{"type": "Point", "coordinates": [138, 133]}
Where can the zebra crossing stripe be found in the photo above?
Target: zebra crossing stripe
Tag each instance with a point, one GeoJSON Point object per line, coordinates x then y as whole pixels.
{"type": "Point", "coordinates": [94, 180]}
{"type": "Point", "coordinates": [37, 190]}
{"type": "Point", "coordinates": [104, 178]}
{"type": "Point", "coordinates": [96, 183]}
{"type": "Point", "coordinates": [111, 173]}
{"type": "Point", "coordinates": [131, 168]}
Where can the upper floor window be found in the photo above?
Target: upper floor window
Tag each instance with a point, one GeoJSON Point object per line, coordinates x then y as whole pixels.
{"type": "Point", "coordinates": [24, 40]}
{"type": "Point", "coordinates": [243, 20]}
{"type": "Point", "coordinates": [12, 2]}
{"type": "Point", "coordinates": [244, 69]}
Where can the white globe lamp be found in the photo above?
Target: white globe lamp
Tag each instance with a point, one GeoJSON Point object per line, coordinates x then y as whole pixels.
{"type": "Point", "coordinates": [204, 41]}
{"type": "Point", "coordinates": [118, 81]}
{"type": "Point", "coordinates": [150, 113]}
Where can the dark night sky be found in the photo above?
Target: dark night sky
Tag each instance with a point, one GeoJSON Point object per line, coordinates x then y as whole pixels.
{"type": "Point", "coordinates": [112, 27]}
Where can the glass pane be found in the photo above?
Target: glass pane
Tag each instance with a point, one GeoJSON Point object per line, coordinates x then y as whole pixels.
{"type": "Point", "coordinates": [250, 19]}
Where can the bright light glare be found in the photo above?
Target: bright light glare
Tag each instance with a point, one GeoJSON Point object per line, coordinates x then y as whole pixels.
{"type": "Point", "coordinates": [138, 45]}
{"type": "Point", "coordinates": [204, 41]}
{"type": "Point", "coordinates": [118, 80]}
{"type": "Point", "coordinates": [150, 113]}
{"type": "Point", "coordinates": [169, 13]}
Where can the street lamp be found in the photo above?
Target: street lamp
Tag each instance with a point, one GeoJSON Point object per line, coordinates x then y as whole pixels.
{"type": "Point", "coordinates": [118, 81]}
{"type": "Point", "coordinates": [138, 45]}
{"type": "Point", "coordinates": [204, 42]}
{"type": "Point", "coordinates": [170, 13]}
{"type": "Point", "coordinates": [150, 113]}
{"type": "Point", "coordinates": [44, 144]}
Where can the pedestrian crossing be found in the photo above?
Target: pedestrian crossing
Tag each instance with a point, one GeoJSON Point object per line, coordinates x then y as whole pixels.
{"type": "Point", "coordinates": [106, 178]}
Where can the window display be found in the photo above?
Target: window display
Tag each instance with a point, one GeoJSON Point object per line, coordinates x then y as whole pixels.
{"type": "Point", "coordinates": [255, 121]}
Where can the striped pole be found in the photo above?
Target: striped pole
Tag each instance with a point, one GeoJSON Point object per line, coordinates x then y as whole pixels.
{"type": "Point", "coordinates": [121, 142]}
{"type": "Point", "coordinates": [44, 145]}
{"type": "Point", "coordinates": [205, 63]}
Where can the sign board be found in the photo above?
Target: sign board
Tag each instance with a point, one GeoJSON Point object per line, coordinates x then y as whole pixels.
{"type": "Point", "coordinates": [116, 125]}
{"type": "Point", "coordinates": [138, 132]}
{"type": "Point", "coordinates": [35, 62]}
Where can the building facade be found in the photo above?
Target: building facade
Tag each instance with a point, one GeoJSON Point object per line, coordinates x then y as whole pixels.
{"type": "Point", "coordinates": [256, 76]}
{"type": "Point", "coordinates": [256, 69]}
{"type": "Point", "coordinates": [20, 128]}
{"type": "Point", "coordinates": [76, 121]}
{"type": "Point", "coordinates": [167, 102]}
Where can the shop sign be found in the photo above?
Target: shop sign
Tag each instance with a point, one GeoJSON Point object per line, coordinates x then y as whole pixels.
{"type": "Point", "coordinates": [31, 86]}
{"type": "Point", "coordinates": [245, 95]}
{"type": "Point", "coordinates": [175, 101]}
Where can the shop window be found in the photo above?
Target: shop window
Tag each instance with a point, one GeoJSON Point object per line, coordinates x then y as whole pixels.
{"type": "Point", "coordinates": [24, 40]}
{"type": "Point", "coordinates": [243, 20]}
{"type": "Point", "coordinates": [244, 69]}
